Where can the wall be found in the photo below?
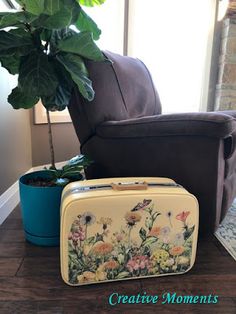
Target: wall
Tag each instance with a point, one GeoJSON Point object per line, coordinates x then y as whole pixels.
{"type": "Point", "coordinates": [15, 138]}
{"type": "Point", "coordinates": [66, 143]}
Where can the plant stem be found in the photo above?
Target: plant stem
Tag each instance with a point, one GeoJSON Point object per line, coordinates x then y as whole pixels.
{"type": "Point", "coordinates": [129, 234]}
{"type": "Point", "coordinates": [50, 141]}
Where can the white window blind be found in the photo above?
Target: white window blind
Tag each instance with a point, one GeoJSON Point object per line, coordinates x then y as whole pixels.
{"type": "Point", "coordinates": [174, 39]}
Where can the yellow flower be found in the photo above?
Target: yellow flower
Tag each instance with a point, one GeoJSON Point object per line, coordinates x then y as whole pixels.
{"type": "Point", "coordinates": [102, 248]}
{"type": "Point", "coordinates": [105, 221]}
{"type": "Point", "coordinates": [100, 275]}
{"type": "Point", "coordinates": [163, 265]}
{"type": "Point", "coordinates": [87, 276]}
{"type": "Point", "coordinates": [154, 271]}
{"type": "Point", "coordinates": [132, 218]}
{"type": "Point", "coordinates": [183, 260]}
{"type": "Point", "coordinates": [160, 256]}
{"type": "Point", "coordinates": [176, 250]}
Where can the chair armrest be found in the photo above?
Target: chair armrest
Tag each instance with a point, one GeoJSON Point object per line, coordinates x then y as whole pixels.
{"type": "Point", "coordinates": [231, 113]}
{"type": "Point", "coordinates": [212, 124]}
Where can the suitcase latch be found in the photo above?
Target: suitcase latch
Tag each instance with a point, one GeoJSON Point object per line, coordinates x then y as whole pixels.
{"type": "Point", "coordinates": [129, 186]}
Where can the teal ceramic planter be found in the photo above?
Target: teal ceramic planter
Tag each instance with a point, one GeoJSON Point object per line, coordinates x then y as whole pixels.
{"type": "Point", "coordinates": [40, 208]}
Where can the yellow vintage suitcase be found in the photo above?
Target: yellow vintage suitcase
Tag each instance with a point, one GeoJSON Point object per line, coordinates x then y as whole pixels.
{"type": "Point", "coordinates": [126, 228]}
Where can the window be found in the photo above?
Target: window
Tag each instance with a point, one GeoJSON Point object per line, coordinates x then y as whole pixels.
{"type": "Point", "coordinates": [110, 19]}
{"type": "Point", "coordinates": [174, 39]}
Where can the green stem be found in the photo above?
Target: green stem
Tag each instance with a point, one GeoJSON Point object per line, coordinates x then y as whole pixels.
{"type": "Point", "coordinates": [85, 232]}
{"type": "Point", "coordinates": [129, 234]}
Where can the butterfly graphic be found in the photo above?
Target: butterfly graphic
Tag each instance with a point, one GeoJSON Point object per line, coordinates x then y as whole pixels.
{"type": "Point", "coordinates": [142, 205]}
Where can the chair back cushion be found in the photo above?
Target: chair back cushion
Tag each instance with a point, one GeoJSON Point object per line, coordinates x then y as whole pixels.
{"type": "Point", "coordinates": [123, 89]}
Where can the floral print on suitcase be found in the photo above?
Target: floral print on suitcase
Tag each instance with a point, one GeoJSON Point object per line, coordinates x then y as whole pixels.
{"type": "Point", "coordinates": [111, 254]}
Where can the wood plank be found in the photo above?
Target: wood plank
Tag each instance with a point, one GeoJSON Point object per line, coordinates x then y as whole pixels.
{"type": "Point", "coordinates": [30, 281]}
{"type": "Point", "coordinates": [101, 305]}
{"type": "Point", "coordinates": [26, 307]}
{"type": "Point", "coordinates": [53, 288]}
{"type": "Point", "coordinates": [218, 265]}
{"type": "Point", "coordinates": [38, 288]}
{"type": "Point", "coordinates": [15, 214]}
{"type": "Point", "coordinates": [23, 249]}
{"type": "Point", "coordinates": [9, 266]}
{"type": "Point", "coordinates": [12, 236]}
{"type": "Point", "coordinates": [42, 266]}
{"type": "Point", "coordinates": [12, 224]}
{"type": "Point", "coordinates": [192, 284]}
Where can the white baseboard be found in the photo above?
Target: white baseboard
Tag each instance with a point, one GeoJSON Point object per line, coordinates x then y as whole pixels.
{"type": "Point", "coordinates": [11, 198]}
{"type": "Point", "coordinates": [8, 201]}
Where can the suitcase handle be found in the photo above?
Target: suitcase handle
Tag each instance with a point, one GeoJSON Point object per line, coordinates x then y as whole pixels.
{"type": "Point", "coordinates": [129, 186]}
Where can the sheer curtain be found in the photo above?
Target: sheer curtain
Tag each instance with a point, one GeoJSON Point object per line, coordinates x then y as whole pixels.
{"type": "Point", "coordinates": [174, 39]}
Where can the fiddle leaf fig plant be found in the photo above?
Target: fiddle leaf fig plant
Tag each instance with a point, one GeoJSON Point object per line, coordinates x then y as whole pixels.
{"type": "Point", "coordinates": [46, 53]}
{"type": "Point", "coordinates": [46, 43]}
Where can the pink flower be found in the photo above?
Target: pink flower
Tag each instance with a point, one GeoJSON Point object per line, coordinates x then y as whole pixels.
{"type": "Point", "coordinates": [119, 237]}
{"type": "Point", "coordinates": [81, 235]}
{"type": "Point", "coordinates": [138, 262]}
{"type": "Point", "coordinates": [131, 265]}
{"type": "Point", "coordinates": [182, 216]}
{"type": "Point", "coordinates": [78, 234]}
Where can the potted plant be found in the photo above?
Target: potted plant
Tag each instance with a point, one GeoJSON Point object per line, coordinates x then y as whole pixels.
{"type": "Point", "coordinates": [40, 46]}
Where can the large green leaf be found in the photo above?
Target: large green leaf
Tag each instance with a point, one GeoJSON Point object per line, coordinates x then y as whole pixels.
{"type": "Point", "coordinates": [60, 34]}
{"type": "Point", "coordinates": [10, 58]}
{"type": "Point", "coordinates": [143, 234]}
{"type": "Point", "coordinates": [60, 19]}
{"type": "Point", "coordinates": [10, 40]}
{"type": "Point", "coordinates": [38, 7]}
{"type": "Point", "coordinates": [18, 99]}
{"type": "Point", "coordinates": [52, 6]}
{"type": "Point", "coordinates": [11, 63]}
{"type": "Point", "coordinates": [61, 98]}
{"type": "Point", "coordinates": [75, 66]}
{"type": "Point", "coordinates": [35, 7]}
{"type": "Point", "coordinates": [58, 101]}
{"type": "Point", "coordinates": [149, 241]}
{"type": "Point", "coordinates": [36, 75]}
{"type": "Point", "coordinates": [16, 42]}
{"type": "Point", "coordinates": [46, 34]}
{"type": "Point", "coordinates": [90, 3]}
{"type": "Point", "coordinates": [15, 19]}
{"type": "Point", "coordinates": [83, 45]}
{"type": "Point", "coordinates": [85, 23]}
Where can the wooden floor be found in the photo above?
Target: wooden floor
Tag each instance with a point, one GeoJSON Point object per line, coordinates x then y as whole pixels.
{"type": "Point", "coordinates": [30, 281]}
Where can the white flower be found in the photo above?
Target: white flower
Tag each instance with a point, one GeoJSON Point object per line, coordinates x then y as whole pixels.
{"type": "Point", "coordinates": [121, 258]}
{"type": "Point", "coordinates": [87, 218]}
{"type": "Point", "coordinates": [166, 240]}
{"type": "Point", "coordinates": [165, 231]}
{"type": "Point", "coordinates": [170, 262]}
{"type": "Point", "coordinates": [178, 239]}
